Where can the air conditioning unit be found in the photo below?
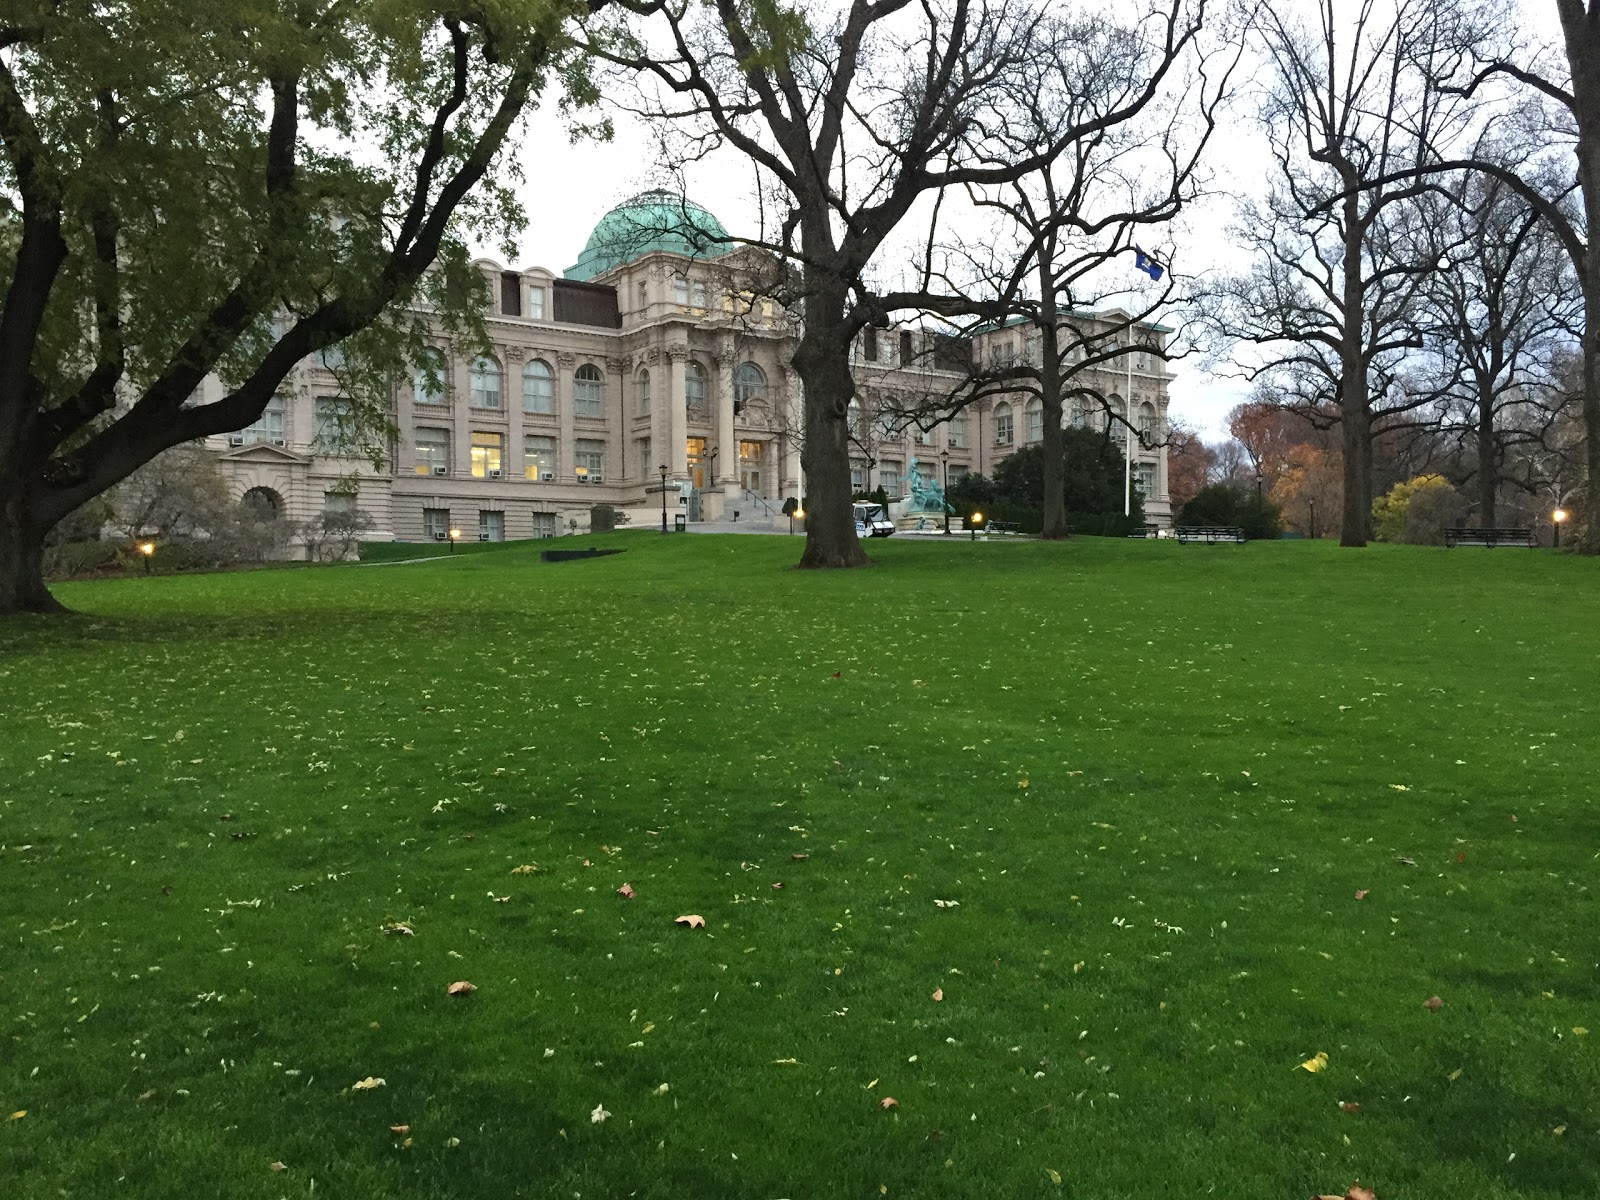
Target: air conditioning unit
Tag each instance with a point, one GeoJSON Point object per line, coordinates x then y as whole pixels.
{"type": "Point", "coordinates": [277, 441]}
{"type": "Point", "coordinates": [440, 536]}
{"type": "Point", "coordinates": [596, 478]}
{"type": "Point", "coordinates": [441, 470]}
{"type": "Point", "coordinates": [236, 439]}
{"type": "Point", "coordinates": [494, 472]}
{"type": "Point", "coordinates": [547, 476]}
{"type": "Point", "coordinates": [483, 537]}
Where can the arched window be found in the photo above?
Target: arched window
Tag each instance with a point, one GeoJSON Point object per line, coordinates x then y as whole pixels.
{"type": "Point", "coordinates": [538, 388]}
{"type": "Point", "coordinates": [694, 387]}
{"type": "Point", "coordinates": [1147, 422]}
{"type": "Point", "coordinates": [1035, 411]}
{"type": "Point", "coordinates": [1004, 433]}
{"type": "Point", "coordinates": [749, 384]}
{"type": "Point", "coordinates": [643, 379]}
{"type": "Point", "coordinates": [858, 427]}
{"type": "Point", "coordinates": [485, 377]}
{"type": "Point", "coordinates": [1080, 415]}
{"type": "Point", "coordinates": [588, 392]}
{"type": "Point", "coordinates": [261, 504]}
{"type": "Point", "coordinates": [1116, 414]}
{"type": "Point", "coordinates": [428, 379]}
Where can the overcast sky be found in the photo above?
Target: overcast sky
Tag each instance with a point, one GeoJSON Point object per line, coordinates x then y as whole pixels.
{"type": "Point", "coordinates": [571, 185]}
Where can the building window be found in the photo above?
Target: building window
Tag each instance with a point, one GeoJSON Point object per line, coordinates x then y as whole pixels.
{"type": "Point", "coordinates": [1003, 431]}
{"type": "Point", "coordinates": [855, 420]}
{"type": "Point", "coordinates": [680, 289]}
{"type": "Point", "coordinates": [697, 293]}
{"type": "Point", "coordinates": [644, 294]}
{"type": "Point", "coordinates": [336, 425]}
{"type": "Point", "coordinates": [957, 431]}
{"type": "Point", "coordinates": [1115, 413]}
{"type": "Point", "coordinates": [858, 475]}
{"type": "Point", "coordinates": [486, 451]}
{"type": "Point", "coordinates": [536, 303]}
{"type": "Point", "coordinates": [1144, 478]}
{"type": "Point", "coordinates": [538, 388]}
{"type": "Point", "coordinates": [906, 356]}
{"type": "Point", "coordinates": [694, 388]}
{"type": "Point", "coordinates": [338, 504]}
{"type": "Point", "coordinates": [696, 448]}
{"type": "Point", "coordinates": [644, 392]}
{"type": "Point", "coordinates": [428, 379]}
{"type": "Point", "coordinates": [1035, 415]}
{"type": "Point", "coordinates": [749, 384]}
{"type": "Point", "coordinates": [589, 460]}
{"type": "Point", "coordinates": [925, 473]}
{"type": "Point", "coordinates": [268, 427]}
{"type": "Point", "coordinates": [539, 457]}
{"type": "Point", "coordinates": [491, 526]}
{"type": "Point", "coordinates": [869, 344]}
{"type": "Point", "coordinates": [588, 392]}
{"type": "Point", "coordinates": [957, 474]}
{"type": "Point", "coordinates": [1147, 422]}
{"type": "Point", "coordinates": [752, 457]}
{"type": "Point", "coordinates": [923, 436]}
{"type": "Point", "coordinates": [1080, 415]}
{"type": "Point", "coordinates": [485, 375]}
{"type": "Point", "coordinates": [331, 358]}
{"type": "Point", "coordinates": [544, 524]}
{"type": "Point", "coordinates": [886, 423]}
{"type": "Point", "coordinates": [433, 451]}
{"type": "Point", "coordinates": [436, 524]}
{"type": "Point", "coordinates": [510, 294]}
{"type": "Point", "coordinates": [1030, 351]}
{"type": "Point", "coordinates": [647, 466]}
{"type": "Point", "coordinates": [891, 477]}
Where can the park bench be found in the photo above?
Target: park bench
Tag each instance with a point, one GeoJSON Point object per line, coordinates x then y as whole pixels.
{"type": "Point", "coordinates": [1146, 531]}
{"type": "Point", "coordinates": [1210, 534]}
{"type": "Point", "coordinates": [1005, 527]}
{"type": "Point", "coordinates": [1510, 536]}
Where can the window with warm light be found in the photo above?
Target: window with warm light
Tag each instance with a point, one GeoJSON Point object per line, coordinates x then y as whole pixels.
{"type": "Point", "coordinates": [487, 450]}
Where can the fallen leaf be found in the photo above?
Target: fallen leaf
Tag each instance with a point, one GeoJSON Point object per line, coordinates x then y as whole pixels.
{"type": "Point", "coordinates": [786, 1062]}
{"type": "Point", "coordinates": [662, 1090]}
{"type": "Point", "coordinates": [1406, 862]}
{"type": "Point", "coordinates": [398, 929]}
{"type": "Point", "coordinates": [1055, 1176]}
{"type": "Point", "coordinates": [599, 1114]}
{"type": "Point", "coordinates": [938, 993]}
{"type": "Point", "coordinates": [1357, 1192]}
{"type": "Point", "coordinates": [1461, 856]}
{"type": "Point", "coordinates": [1316, 1062]}
{"type": "Point", "coordinates": [367, 1084]}
{"type": "Point", "coordinates": [147, 1095]}
{"type": "Point", "coordinates": [1349, 1106]}
{"type": "Point", "coordinates": [461, 988]}
{"type": "Point", "coordinates": [1399, 787]}
{"type": "Point", "coordinates": [1513, 816]}
{"type": "Point", "coordinates": [626, 891]}
{"type": "Point", "coordinates": [1433, 1004]}
{"type": "Point", "coordinates": [798, 857]}
{"type": "Point", "coordinates": [1362, 893]}
{"type": "Point", "coordinates": [399, 1129]}
{"type": "Point", "coordinates": [500, 899]}
{"type": "Point", "coordinates": [277, 1166]}
{"type": "Point", "coordinates": [692, 920]}
{"type": "Point", "coordinates": [1580, 1031]}
{"type": "Point", "coordinates": [947, 903]}
{"type": "Point", "coordinates": [18, 1115]}
{"type": "Point", "coordinates": [1023, 782]}
{"type": "Point", "coordinates": [888, 1102]}
{"type": "Point", "coordinates": [524, 869]}
{"type": "Point", "coordinates": [1455, 1075]}
{"type": "Point", "coordinates": [1559, 1130]}
{"type": "Point", "coordinates": [836, 674]}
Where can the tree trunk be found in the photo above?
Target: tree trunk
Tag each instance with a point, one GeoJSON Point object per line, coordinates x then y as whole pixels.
{"type": "Point", "coordinates": [1488, 456]}
{"type": "Point", "coordinates": [822, 361]}
{"type": "Point", "coordinates": [22, 586]}
{"type": "Point", "coordinates": [1355, 528]}
{"type": "Point", "coordinates": [1356, 432]}
{"type": "Point", "coordinates": [1054, 450]}
{"type": "Point", "coordinates": [1581, 30]}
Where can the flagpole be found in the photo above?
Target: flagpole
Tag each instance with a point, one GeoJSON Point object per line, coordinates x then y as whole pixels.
{"type": "Point", "coordinates": [1127, 436]}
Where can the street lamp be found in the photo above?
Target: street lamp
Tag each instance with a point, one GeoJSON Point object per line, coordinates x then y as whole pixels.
{"type": "Point", "coordinates": [663, 470]}
{"type": "Point", "coordinates": [147, 549]}
{"type": "Point", "coordinates": [1313, 504]}
{"type": "Point", "coordinates": [455, 536]}
{"type": "Point", "coordinates": [1557, 517]}
{"type": "Point", "coordinates": [1258, 483]}
{"type": "Point", "coordinates": [977, 519]}
{"type": "Point", "coordinates": [944, 457]}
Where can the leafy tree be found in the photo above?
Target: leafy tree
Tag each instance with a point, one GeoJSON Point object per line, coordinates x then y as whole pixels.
{"type": "Point", "coordinates": [196, 189]}
{"type": "Point", "coordinates": [1220, 504]}
{"type": "Point", "coordinates": [1092, 474]}
{"type": "Point", "coordinates": [1389, 510]}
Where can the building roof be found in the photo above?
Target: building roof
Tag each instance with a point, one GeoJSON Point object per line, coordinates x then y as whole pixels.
{"type": "Point", "coordinates": [648, 222]}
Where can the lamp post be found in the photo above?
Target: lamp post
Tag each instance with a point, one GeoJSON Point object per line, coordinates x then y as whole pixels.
{"type": "Point", "coordinates": [663, 470]}
{"type": "Point", "coordinates": [977, 519]}
{"type": "Point", "coordinates": [944, 457]}
{"type": "Point", "coordinates": [1556, 518]}
{"type": "Point", "coordinates": [146, 549]}
{"type": "Point", "coordinates": [1313, 504]}
{"type": "Point", "coordinates": [455, 535]}
{"type": "Point", "coordinates": [1258, 483]}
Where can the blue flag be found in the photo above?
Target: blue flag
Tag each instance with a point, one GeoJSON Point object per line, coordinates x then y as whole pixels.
{"type": "Point", "coordinates": [1147, 264]}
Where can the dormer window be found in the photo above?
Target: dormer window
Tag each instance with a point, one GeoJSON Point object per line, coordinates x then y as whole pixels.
{"type": "Point", "coordinates": [510, 294]}
{"type": "Point", "coordinates": [536, 303]}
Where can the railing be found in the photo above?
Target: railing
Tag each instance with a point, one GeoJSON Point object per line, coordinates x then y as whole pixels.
{"type": "Point", "coordinates": [746, 496]}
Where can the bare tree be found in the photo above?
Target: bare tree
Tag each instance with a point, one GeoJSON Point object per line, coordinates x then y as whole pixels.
{"type": "Point", "coordinates": [850, 117]}
{"type": "Point", "coordinates": [1340, 251]}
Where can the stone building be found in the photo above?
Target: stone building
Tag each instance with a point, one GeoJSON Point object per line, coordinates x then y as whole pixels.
{"type": "Point", "coordinates": [653, 359]}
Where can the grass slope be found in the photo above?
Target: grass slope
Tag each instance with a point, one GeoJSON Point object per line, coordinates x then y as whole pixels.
{"type": "Point", "coordinates": [1151, 778]}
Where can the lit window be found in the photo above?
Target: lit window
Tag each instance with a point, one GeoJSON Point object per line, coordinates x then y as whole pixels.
{"type": "Point", "coordinates": [588, 392]}
{"type": "Point", "coordinates": [433, 451]}
{"type": "Point", "coordinates": [487, 449]}
{"type": "Point", "coordinates": [694, 387]}
{"type": "Point", "coordinates": [749, 384]}
{"type": "Point", "coordinates": [268, 427]}
{"type": "Point", "coordinates": [538, 388]}
{"type": "Point", "coordinates": [1035, 412]}
{"type": "Point", "coordinates": [428, 380]}
{"type": "Point", "coordinates": [539, 457]}
{"type": "Point", "coordinates": [1003, 431]}
{"type": "Point", "coordinates": [644, 393]}
{"type": "Point", "coordinates": [485, 376]}
{"type": "Point", "coordinates": [336, 425]}
{"type": "Point", "coordinates": [589, 460]}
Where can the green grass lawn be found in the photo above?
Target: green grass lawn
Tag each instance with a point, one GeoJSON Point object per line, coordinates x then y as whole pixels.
{"type": "Point", "coordinates": [1146, 781]}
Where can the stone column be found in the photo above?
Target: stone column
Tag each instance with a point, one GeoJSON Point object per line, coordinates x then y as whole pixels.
{"type": "Point", "coordinates": [786, 448]}
{"type": "Point", "coordinates": [619, 454]}
{"type": "Point", "coordinates": [511, 397]}
{"type": "Point", "coordinates": [458, 382]}
{"type": "Point", "coordinates": [727, 444]}
{"type": "Point", "coordinates": [566, 364]}
{"type": "Point", "coordinates": [660, 419]}
{"type": "Point", "coordinates": [675, 426]}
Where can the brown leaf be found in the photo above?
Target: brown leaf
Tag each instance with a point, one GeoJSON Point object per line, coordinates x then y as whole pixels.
{"type": "Point", "coordinates": [461, 988]}
{"type": "Point", "coordinates": [938, 993]}
{"type": "Point", "coordinates": [1362, 893]}
{"type": "Point", "coordinates": [626, 891]}
{"type": "Point", "coordinates": [524, 869]}
{"type": "Point", "coordinates": [1357, 1192]}
{"type": "Point", "coordinates": [1349, 1106]}
{"type": "Point", "coordinates": [1433, 1004]}
{"type": "Point", "coordinates": [399, 1129]}
{"type": "Point", "coordinates": [278, 1166]}
{"type": "Point", "coordinates": [1461, 856]}
{"type": "Point", "coordinates": [692, 920]}
{"type": "Point", "coordinates": [888, 1102]}
{"type": "Point", "coordinates": [799, 857]}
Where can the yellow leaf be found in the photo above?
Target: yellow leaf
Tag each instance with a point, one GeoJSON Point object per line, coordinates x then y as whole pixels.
{"type": "Point", "coordinates": [786, 1062]}
{"type": "Point", "coordinates": [1023, 782]}
{"type": "Point", "coordinates": [367, 1084]}
{"type": "Point", "coordinates": [1579, 1030]}
{"type": "Point", "coordinates": [1455, 1075]}
{"type": "Point", "coordinates": [19, 1114]}
{"type": "Point", "coordinates": [1315, 1063]}
{"type": "Point", "coordinates": [1559, 1130]}
{"type": "Point", "coordinates": [1055, 1176]}
{"type": "Point", "coordinates": [872, 1085]}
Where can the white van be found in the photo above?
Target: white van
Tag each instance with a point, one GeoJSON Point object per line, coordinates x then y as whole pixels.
{"type": "Point", "coordinates": [872, 521]}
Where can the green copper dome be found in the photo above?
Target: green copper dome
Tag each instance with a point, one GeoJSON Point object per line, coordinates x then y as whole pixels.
{"type": "Point", "coordinates": [647, 222]}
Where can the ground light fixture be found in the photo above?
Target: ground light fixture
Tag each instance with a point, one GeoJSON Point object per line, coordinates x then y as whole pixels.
{"type": "Point", "coordinates": [944, 458]}
{"type": "Point", "coordinates": [146, 549]}
{"type": "Point", "coordinates": [1556, 518]}
{"type": "Point", "coordinates": [455, 536]}
{"type": "Point", "coordinates": [974, 521]}
{"type": "Point", "coordinates": [663, 471]}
